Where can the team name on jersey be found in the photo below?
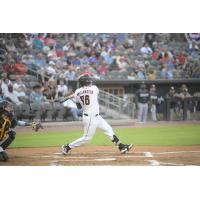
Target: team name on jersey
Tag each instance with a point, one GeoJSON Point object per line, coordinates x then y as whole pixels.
{"type": "Point", "coordinates": [144, 95]}
{"type": "Point", "coordinates": [154, 97]}
{"type": "Point", "coordinates": [85, 92]}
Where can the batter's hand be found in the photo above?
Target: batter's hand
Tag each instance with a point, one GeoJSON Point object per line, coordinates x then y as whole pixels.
{"type": "Point", "coordinates": [36, 126]}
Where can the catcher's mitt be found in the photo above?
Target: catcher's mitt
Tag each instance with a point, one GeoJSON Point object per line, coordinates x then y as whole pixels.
{"type": "Point", "coordinates": [36, 126]}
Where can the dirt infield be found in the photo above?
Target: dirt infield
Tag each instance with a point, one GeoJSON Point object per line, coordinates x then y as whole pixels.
{"type": "Point", "coordinates": [105, 155]}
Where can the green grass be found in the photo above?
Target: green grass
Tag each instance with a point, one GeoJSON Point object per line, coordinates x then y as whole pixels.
{"type": "Point", "coordinates": [162, 136]}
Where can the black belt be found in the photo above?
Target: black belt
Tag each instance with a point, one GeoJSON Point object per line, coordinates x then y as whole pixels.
{"type": "Point", "coordinates": [88, 115]}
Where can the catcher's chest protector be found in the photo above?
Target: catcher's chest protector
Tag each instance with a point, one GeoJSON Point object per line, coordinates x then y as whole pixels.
{"type": "Point", "coordinates": [5, 124]}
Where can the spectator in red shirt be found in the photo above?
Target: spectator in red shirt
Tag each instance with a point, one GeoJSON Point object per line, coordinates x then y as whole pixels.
{"type": "Point", "coordinates": [50, 40]}
{"type": "Point", "coordinates": [15, 68]}
{"type": "Point", "coordinates": [103, 69]}
{"type": "Point", "coordinates": [181, 57]}
{"type": "Point", "coordinates": [9, 67]}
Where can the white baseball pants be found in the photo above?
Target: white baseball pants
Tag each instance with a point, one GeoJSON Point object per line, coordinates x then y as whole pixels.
{"type": "Point", "coordinates": [91, 123]}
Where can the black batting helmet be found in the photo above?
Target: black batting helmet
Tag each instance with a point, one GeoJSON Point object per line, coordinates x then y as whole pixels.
{"type": "Point", "coordinates": [85, 80]}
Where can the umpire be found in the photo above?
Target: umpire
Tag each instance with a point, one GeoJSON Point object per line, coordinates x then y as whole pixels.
{"type": "Point", "coordinates": [142, 99]}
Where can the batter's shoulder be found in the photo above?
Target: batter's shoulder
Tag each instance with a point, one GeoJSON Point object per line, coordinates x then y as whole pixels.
{"type": "Point", "coordinates": [77, 91]}
{"type": "Point", "coordinates": [95, 87]}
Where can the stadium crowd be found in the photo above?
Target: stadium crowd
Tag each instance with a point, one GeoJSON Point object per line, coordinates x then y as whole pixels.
{"type": "Point", "coordinates": [54, 59]}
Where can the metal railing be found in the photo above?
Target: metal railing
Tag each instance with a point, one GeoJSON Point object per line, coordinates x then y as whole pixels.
{"type": "Point", "coordinates": [115, 106]}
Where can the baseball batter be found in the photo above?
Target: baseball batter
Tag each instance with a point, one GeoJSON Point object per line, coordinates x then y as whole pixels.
{"type": "Point", "coordinates": [87, 98]}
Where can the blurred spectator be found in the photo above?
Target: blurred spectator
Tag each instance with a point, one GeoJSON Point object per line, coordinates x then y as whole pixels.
{"type": "Point", "coordinates": [36, 96]}
{"type": "Point", "coordinates": [28, 60]}
{"type": "Point", "coordinates": [74, 111]}
{"type": "Point", "coordinates": [41, 65]}
{"type": "Point", "coordinates": [49, 90]}
{"type": "Point", "coordinates": [164, 73]}
{"type": "Point", "coordinates": [76, 61]}
{"type": "Point", "coordinates": [150, 38]}
{"type": "Point", "coordinates": [50, 40]}
{"type": "Point", "coordinates": [181, 58]}
{"type": "Point", "coordinates": [15, 68]}
{"type": "Point", "coordinates": [188, 67]}
{"type": "Point", "coordinates": [62, 89]}
{"type": "Point", "coordinates": [10, 46]}
{"type": "Point", "coordinates": [9, 67]}
{"type": "Point", "coordinates": [152, 74]}
{"type": "Point", "coordinates": [19, 87]}
{"type": "Point", "coordinates": [102, 69]}
{"type": "Point", "coordinates": [108, 57]}
{"type": "Point", "coordinates": [93, 59]}
{"type": "Point", "coordinates": [39, 104]}
{"type": "Point", "coordinates": [4, 83]}
{"type": "Point", "coordinates": [38, 42]}
{"type": "Point", "coordinates": [196, 70]}
{"type": "Point", "coordinates": [40, 60]}
{"type": "Point", "coordinates": [12, 95]}
{"type": "Point", "coordinates": [146, 50]}
{"type": "Point", "coordinates": [132, 76]}
{"type": "Point", "coordinates": [2, 97]}
{"type": "Point", "coordinates": [141, 74]}
{"type": "Point", "coordinates": [50, 70]}
{"type": "Point", "coordinates": [122, 63]}
{"type": "Point", "coordinates": [70, 73]}
{"type": "Point", "coordinates": [192, 39]}
{"type": "Point", "coordinates": [168, 60]}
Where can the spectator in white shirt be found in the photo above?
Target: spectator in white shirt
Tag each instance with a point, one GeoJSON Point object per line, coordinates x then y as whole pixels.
{"type": "Point", "coordinates": [12, 95]}
{"type": "Point", "coordinates": [146, 50]}
{"type": "Point", "coordinates": [4, 83]}
{"type": "Point", "coordinates": [193, 39]}
{"type": "Point", "coordinates": [50, 70]}
{"type": "Point", "coordinates": [62, 89]}
{"type": "Point", "coordinates": [19, 87]}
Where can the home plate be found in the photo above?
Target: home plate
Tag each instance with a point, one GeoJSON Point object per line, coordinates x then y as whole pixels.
{"type": "Point", "coordinates": [105, 159]}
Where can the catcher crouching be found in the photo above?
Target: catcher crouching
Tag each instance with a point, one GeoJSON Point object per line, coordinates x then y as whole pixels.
{"type": "Point", "coordinates": [7, 123]}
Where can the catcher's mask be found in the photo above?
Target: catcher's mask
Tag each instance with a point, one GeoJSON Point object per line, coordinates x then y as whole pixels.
{"type": "Point", "coordinates": [85, 80]}
{"type": "Point", "coordinates": [6, 105]}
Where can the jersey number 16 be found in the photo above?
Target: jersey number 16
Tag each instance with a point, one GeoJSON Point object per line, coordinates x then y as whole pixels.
{"type": "Point", "coordinates": [85, 99]}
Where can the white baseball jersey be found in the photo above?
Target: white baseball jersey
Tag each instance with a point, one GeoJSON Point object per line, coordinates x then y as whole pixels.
{"type": "Point", "coordinates": [87, 96]}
